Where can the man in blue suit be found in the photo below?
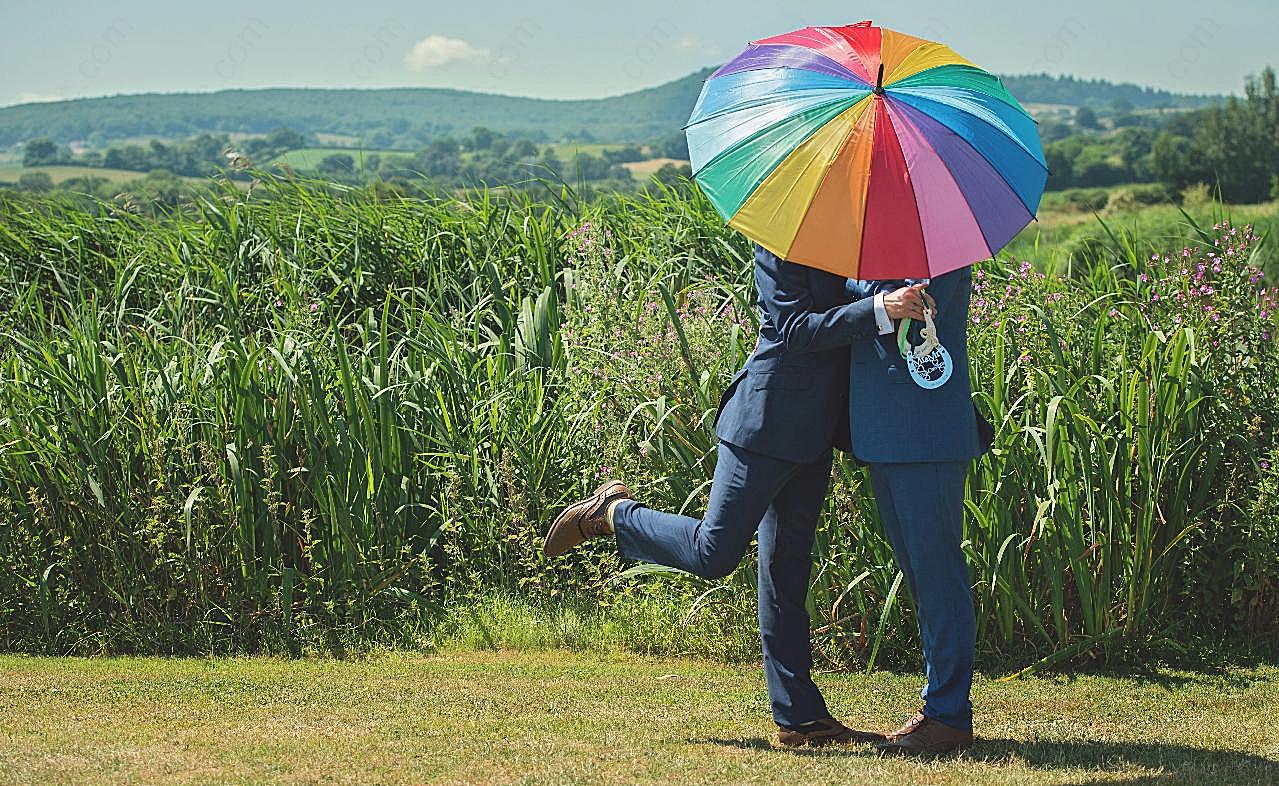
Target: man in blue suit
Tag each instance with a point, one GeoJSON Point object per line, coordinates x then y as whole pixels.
{"type": "Point", "coordinates": [777, 424]}
{"type": "Point", "coordinates": [918, 444]}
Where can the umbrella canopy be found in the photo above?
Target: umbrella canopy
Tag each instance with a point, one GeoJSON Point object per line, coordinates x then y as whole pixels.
{"type": "Point", "coordinates": [866, 152]}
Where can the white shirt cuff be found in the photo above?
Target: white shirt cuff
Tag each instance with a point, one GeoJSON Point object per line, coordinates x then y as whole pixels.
{"type": "Point", "coordinates": [881, 315]}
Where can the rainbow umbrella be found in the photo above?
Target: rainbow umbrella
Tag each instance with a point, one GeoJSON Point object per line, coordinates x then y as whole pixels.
{"type": "Point", "coordinates": [866, 152]}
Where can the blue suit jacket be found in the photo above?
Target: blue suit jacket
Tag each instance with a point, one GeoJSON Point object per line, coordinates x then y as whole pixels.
{"type": "Point", "coordinates": [893, 419]}
{"type": "Point", "coordinates": [790, 400]}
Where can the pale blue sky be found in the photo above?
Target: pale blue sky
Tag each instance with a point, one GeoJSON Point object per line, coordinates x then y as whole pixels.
{"type": "Point", "coordinates": [579, 49]}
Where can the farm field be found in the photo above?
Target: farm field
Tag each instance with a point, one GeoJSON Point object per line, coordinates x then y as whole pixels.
{"type": "Point", "coordinates": [566, 150]}
{"type": "Point", "coordinates": [308, 158]}
{"type": "Point", "coordinates": [61, 173]}
{"type": "Point", "coordinates": [642, 170]}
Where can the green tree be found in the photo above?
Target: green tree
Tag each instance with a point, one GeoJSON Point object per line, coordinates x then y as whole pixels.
{"type": "Point", "coordinates": [1175, 163]}
{"type": "Point", "coordinates": [673, 145]}
{"type": "Point", "coordinates": [549, 165]}
{"type": "Point", "coordinates": [1240, 140]}
{"type": "Point", "coordinates": [441, 159]}
{"type": "Point", "coordinates": [43, 151]}
{"type": "Point", "coordinates": [1086, 118]}
{"type": "Point", "coordinates": [336, 164]}
{"type": "Point", "coordinates": [1095, 167]}
{"type": "Point", "coordinates": [38, 182]}
{"type": "Point", "coordinates": [523, 148]}
{"type": "Point", "coordinates": [674, 176]}
{"type": "Point", "coordinates": [481, 138]}
{"type": "Point", "coordinates": [1060, 157]}
{"type": "Point", "coordinates": [1133, 146]}
{"type": "Point", "coordinates": [624, 155]}
{"type": "Point", "coordinates": [283, 139]}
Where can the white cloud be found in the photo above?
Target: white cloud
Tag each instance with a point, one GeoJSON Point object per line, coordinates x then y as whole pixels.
{"type": "Point", "coordinates": [694, 44]}
{"type": "Point", "coordinates": [437, 50]}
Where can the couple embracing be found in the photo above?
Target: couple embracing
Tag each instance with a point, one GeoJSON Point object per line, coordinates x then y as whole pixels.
{"type": "Point", "coordinates": [828, 372]}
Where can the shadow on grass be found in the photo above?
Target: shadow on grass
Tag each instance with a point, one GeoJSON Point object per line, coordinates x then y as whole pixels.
{"type": "Point", "coordinates": [1176, 763]}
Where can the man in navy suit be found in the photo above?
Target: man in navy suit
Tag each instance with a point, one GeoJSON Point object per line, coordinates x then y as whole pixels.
{"type": "Point", "coordinates": [777, 424]}
{"type": "Point", "coordinates": [918, 443]}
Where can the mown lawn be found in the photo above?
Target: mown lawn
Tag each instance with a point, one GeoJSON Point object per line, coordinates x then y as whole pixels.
{"type": "Point", "coordinates": [560, 717]}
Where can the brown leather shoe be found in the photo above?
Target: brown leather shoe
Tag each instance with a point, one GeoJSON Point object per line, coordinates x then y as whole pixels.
{"type": "Point", "coordinates": [923, 736]}
{"type": "Point", "coordinates": [583, 520]}
{"type": "Point", "coordinates": [827, 731]}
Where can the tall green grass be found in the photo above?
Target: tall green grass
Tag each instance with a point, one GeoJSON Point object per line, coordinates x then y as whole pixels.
{"type": "Point", "coordinates": [310, 417]}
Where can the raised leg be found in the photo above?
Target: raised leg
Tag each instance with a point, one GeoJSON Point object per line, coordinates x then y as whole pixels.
{"type": "Point", "coordinates": [744, 486]}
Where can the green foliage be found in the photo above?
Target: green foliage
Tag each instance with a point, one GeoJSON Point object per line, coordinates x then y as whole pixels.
{"type": "Point", "coordinates": [485, 159]}
{"type": "Point", "coordinates": [307, 415]}
{"type": "Point", "coordinates": [39, 182]}
{"type": "Point", "coordinates": [1234, 148]}
{"type": "Point", "coordinates": [43, 151]}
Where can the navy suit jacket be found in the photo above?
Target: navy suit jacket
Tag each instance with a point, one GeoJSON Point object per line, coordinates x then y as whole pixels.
{"type": "Point", "coordinates": [893, 419]}
{"type": "Point", "coordinates": [790, 400]}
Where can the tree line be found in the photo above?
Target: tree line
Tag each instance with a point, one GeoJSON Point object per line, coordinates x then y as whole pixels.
{"type": "Point", "coordinates": [482, 158]}
{"type": "Point", "coordinates": [1233, 146]}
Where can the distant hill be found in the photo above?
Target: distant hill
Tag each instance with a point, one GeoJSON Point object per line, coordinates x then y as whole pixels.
{"type": "Point", "coordinates": [404, 115]}
{"type": "Point", "coordinates": [1098, 93]}
{"type": "Point", "coordinates": [409, 117]}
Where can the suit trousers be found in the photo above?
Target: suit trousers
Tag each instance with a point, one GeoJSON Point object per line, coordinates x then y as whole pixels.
{"type": "Point", "coordinates": [750, 493]}
{"type": "Point", "coordinates": [922, 508]}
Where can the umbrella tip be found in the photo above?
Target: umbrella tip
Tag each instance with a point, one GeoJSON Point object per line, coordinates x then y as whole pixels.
{"type": "Point", "coordinates": [879, 81]}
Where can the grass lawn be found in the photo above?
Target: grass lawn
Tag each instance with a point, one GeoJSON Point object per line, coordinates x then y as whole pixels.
{"type": "Point", "coordinates": [561, 717]}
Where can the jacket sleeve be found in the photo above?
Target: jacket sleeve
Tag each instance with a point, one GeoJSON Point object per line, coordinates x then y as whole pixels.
{"type": "Point", "coordinates": [787, 301]}
{"type": "Point", "coordinates": [859, 289]}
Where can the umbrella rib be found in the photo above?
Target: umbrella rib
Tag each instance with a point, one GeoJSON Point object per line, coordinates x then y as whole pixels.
{"type": "Point", "coordinates": [994, 167]}
{"type": "Point", "coordinates": [1012, 136]}
{"type": "Point", "coordinates": [1015, 103]}
{"type": "Point", "coordinates": [915, 194]}
{"type": "Point", "coordinates": [756, 103]}
{"type": "Point", "coordinates": [868, 118]}
{"type": "Point", "coordinates": [737, 145]}
{"type": "Point", "coordinates": [852, 77]}
{"type": "Point", "coordinates": [826, 167]}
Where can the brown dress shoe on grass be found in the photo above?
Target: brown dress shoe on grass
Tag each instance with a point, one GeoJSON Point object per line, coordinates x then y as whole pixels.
{"type": "Point", "coordinates": [824, 732]}
{"type": "Point", "coordinates": [923, 736]}
{"type": "Point", "coordinates": [583, 520]}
